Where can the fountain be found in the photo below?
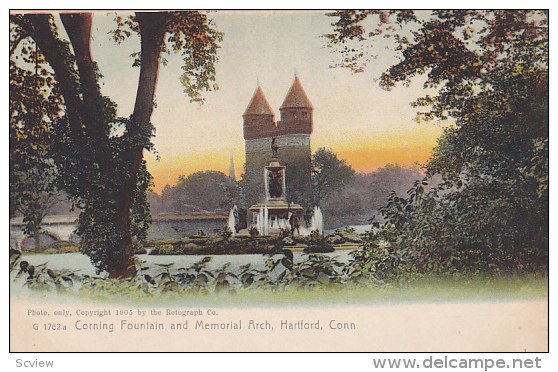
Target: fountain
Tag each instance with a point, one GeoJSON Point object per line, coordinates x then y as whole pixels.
{"type": "Point", "coordinates": [317, 222]}
{"type": "Point", "coordinates": [275, 213]}
{"type": "Point", "coordinates": [231, 223]}
{"type": "Point", "coordinates": [260, 221]}
{"type": "Point", "coordinates": [266, 221]}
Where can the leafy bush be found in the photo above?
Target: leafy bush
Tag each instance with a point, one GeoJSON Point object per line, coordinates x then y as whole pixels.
{"type": "Point", "coordinates": [346, 235]}
{"type": "Point", "coordinates": [214, 246]}
{"type": "Point", "coordinates": [40, 277]}
{"type": "Point", "coordinates": [315, 243]}
{"type": "Point", "coordinates": [281, 272]}
{"type": "Point", "coordinates": [377, 262]}
{"type": "Point", "coordinates": [318, 243]}
{"type": "Point", "coordinates": [459, 230]}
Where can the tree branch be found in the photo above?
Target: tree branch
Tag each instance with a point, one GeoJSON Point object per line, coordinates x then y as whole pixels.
{"type": "Point", "coordinates": [38, 27]}
{"type": "Point", "coordinates": [78, 28]}
{"type": "Point", "coordinates": [153, 26]}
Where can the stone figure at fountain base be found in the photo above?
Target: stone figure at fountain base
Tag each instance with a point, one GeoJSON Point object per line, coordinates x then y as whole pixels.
{"type": "Point", "coordinates": [275, 214]}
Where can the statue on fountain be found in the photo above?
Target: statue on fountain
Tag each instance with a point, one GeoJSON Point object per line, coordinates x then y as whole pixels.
{"type": "Point", "coordinates": [274, 147]}
{"type": "Point", "coordinates": [275, 184]}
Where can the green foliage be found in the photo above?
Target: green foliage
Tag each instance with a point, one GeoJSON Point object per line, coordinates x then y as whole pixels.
{"type": "Point", "coordinates": [96, 156]}
{"type": "Point", "coordinates": [315, 272]}
{"type": "Point", "coordinates": [318, 243]}
{"type": "Point", "coordinates": [200, 191]}
{"type": "Point", "coordinates": [41, 278]}
{"type": "Point", "coordinates": [329, 174]}
{"type": "Point", "coordinates": [94, 176]}
{"type": "Point", "coordinates": [190, 34]}
{"type": "Point", "coordinates": [378, 263]}
{"type": "Point", "coordinates": [224, 244]}
{"type": "Point", "coordinates": [15, 256]}
{"type": "Point", "coordinates": [490, 70]}
{"type": "Point", "coordinates": [196, 284]}
{"type": "Point", "coordinates": [281, 273]}
{"type": "Point", "coordinates": [465, 230]}
{"type": "Point", "coordinates": [34, 105]}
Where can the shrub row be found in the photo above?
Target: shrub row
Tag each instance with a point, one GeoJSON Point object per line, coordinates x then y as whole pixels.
{"type": "Point", "coordinates": [315, 243]}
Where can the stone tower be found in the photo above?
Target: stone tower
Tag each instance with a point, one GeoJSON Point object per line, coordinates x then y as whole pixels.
{"type": "Point", "coordinates": [292, 135]}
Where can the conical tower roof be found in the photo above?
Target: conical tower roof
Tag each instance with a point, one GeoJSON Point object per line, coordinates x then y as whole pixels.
{"type": "Point", "coordinates": [296, 98]}
{"type": "Point", "coordinates": [258, 104]}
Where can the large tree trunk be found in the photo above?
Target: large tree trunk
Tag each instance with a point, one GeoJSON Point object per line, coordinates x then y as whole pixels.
{"type": "Point", "coordinates": [152, 30]}
{"type": "Point", "coordinates": [83, 100]}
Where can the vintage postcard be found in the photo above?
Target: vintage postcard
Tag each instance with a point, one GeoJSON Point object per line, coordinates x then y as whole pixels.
{"type": "Point", "coordinates": [279, 181]}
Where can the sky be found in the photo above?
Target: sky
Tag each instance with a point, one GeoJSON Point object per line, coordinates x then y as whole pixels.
{"type": "Point", "coordinates": [363, 124]}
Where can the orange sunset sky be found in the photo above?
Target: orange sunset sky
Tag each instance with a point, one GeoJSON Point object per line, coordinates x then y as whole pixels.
{"type": "Point", "coordinates": [365, 125]}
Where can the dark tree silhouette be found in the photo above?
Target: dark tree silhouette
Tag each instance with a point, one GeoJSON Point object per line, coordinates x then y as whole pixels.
{"type": "Point", "coordinates": [103, 172]}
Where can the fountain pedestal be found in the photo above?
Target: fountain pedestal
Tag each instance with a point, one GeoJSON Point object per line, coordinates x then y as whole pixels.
{"type": "Point", "coordinates": [275, 213]}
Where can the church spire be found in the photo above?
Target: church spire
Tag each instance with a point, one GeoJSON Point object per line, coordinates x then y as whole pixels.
{"type": "Point", "coordinates": [296, 97]}
{"type": "Point", "coordinates": [232, 172]}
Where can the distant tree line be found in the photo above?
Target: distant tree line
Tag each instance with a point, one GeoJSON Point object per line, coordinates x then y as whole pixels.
{"type": "Point", "coordinates": [346, 197]}
{"type": "Point", "coordinates": [359, 200]}
{"type": "Point", "coordinates": [205, 191]}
